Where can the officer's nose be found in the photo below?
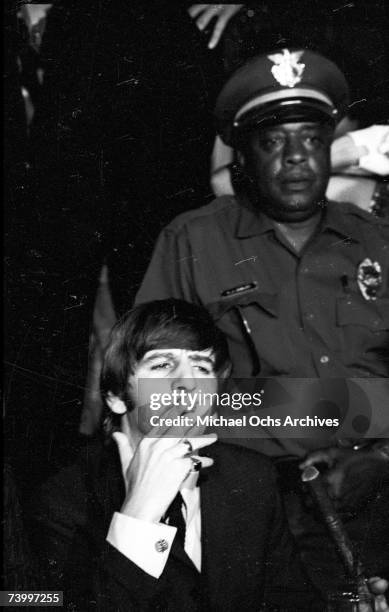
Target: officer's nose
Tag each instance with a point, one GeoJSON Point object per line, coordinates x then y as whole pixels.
{"type": "Point", "coordinates": [294, 152]}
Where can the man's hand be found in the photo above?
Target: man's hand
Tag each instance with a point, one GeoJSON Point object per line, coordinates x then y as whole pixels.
{"type": "Point", "coordinates": [378, 586]}
{"type": "Point", "coordinates": [204, 13]}
{"type": "Point", "coordinates": [375, 141]}
{"type": "Point", "coordinates": [351, 475]}
{"type": "Point", "coordinates": [160, 465]}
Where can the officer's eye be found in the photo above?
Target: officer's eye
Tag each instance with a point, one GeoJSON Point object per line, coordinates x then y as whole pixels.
{"type": "Point", "coordinates": [314, 140]}
{"type": "Point", "coordinates": [271, 142]}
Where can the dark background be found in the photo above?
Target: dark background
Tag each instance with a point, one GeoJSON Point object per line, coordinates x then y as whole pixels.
{"type": "Point", "coordinates": [119, 144]}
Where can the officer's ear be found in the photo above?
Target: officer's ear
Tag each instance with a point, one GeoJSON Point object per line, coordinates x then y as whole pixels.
{"type": "Point", "coordinates": [115, 404]}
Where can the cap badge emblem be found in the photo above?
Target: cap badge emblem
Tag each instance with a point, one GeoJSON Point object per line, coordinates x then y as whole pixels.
{"type": "Point", "coordinates": [287, 70]}
{"type": "Point", "coordinates": [369, 278]}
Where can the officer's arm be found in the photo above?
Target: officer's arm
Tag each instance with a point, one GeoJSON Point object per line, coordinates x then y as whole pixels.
{"type": "Point", "coordinates": [287, 585]}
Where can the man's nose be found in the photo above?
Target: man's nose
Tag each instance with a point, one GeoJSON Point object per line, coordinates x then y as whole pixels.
{"type": "Point", "coordinates": [294, 152]}
{"type": "Point", "coordinates": [184, 378]}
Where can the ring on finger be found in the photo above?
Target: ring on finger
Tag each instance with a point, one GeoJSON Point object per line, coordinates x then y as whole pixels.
{"type": "Point", "coordinates": [196, 464]}
{"type": "Point", "coordinates": [189, 445]}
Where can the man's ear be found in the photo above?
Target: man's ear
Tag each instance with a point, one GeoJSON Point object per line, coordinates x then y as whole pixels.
{"type": "Point", "coordinates": [115, 404]}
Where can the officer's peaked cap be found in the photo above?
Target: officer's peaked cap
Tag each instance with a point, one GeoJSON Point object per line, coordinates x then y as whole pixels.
{"type": "Point", "coordinates": [281, 86]}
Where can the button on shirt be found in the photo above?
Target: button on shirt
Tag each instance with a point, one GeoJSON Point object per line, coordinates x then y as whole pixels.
{"type": "Point", "coordinates": [304, 319]}
{"type": "Point", "coordinates": [147, 544]}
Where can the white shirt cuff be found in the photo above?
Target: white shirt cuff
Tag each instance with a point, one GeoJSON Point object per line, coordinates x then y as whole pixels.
{"type": "Point", "coordinates": [145, 544]}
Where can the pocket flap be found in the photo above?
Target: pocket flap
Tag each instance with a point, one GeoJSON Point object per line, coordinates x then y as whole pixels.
{"type": "Point", "coordinates": [265, 301]}
{"type": "Point", "coordinates": [354, 310]}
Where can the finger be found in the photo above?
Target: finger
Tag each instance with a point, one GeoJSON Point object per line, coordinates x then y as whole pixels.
{"type": "Point", "coordinates": [163, 429]}
{"type": "Point", "coordinates": [187, 467]}
{"type": "Point", "coordinates": [226, 12]}
{"type": "Point", "coordinates": [179, 453]}
{"type": "Point", "coordinates": [218, 31]}
{"type": "Point", "coordinates": [154, 446]}
{"type": "Point", "coordinates": [195, 430]}
{"type": "Point", "coordinates": [317, 457]}
{"type": "Point", "coordinates": [202, 441]}
{"type": "Point", "coordinates": [384, 146]}
{"type": "Point", "coordinates": [378, 585]}
{"type": "Point", "coordinates": [381, 604]}
{"type": "Point", "coordinates": [362, 150]}
{"type": "Point", "coordinates": [205, 461]}
{"type": "Point", "coordinates": [206, 17]}
{"type": "Point", "coordinates": [189, 425]}
{"type": "Point", "coordinates": [168, 446]}
{"type": "Point", "coordinates": [196, 9]}
{"type": "Point", "coordinates": [177, 442]}
{"type": "Point", "coordinates": [188, 447]}
{"type": "Point", "coordinates": [179, 449]}
{"type": "Point", "coordinates": [185, 429]}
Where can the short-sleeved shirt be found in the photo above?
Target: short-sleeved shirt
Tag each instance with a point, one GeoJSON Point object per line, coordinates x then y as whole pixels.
{"type": "Point", "coordinates": [306, 312]}
{"type": "Point", "coordinates": [287, 314]}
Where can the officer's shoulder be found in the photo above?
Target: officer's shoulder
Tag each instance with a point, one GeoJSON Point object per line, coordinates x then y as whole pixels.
{"type": "Point", "coordinates": [352, 211]}
{"type": "Point", "coordinates": [224, 207]}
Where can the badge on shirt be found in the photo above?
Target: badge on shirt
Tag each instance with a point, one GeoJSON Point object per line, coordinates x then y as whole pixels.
{"type": "Point", "coordinates": [369, 278]}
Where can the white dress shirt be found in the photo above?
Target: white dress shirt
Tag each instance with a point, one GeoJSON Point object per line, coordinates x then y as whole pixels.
{"type": "Point", "coordinates": [138, 540]}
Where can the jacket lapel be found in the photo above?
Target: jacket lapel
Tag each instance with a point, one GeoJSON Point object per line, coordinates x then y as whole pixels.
{"type": "Point", "coordinates": [178, 552]}
{"type": "Point", "coordinates": [216, 552]}
{"type": "Point", "coordinates": [106, 493]}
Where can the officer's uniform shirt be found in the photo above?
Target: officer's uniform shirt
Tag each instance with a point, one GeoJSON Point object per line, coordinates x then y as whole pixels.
{"type": "Point", "coordinates": [284, 314]}
{"type": "Point", "coordinates": [306, 313]}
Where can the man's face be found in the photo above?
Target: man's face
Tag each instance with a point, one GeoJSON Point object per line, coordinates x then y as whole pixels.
{"type": "Point", "coordinates": [174, 380]}
{"type": "Point", "coordinates": [289, 165]}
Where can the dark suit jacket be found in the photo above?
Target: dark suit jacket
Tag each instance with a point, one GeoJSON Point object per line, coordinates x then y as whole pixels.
{"type": "Point", "coordinates": [247, 553]}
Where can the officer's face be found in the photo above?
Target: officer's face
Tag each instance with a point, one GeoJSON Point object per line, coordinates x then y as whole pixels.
{"type": "Point", "coordinates": [289, 166]}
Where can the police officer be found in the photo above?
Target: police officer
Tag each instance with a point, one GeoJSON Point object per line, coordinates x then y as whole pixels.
{"type": "Point", "coordinates": [298, 284]}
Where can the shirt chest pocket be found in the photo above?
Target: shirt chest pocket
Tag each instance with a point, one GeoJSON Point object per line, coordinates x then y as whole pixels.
{"type": "Point", "coordinates": [354, 310]}
{"type": "Point", "coordinates": [244, 308]}
{"type": "Point", "coordinates": [266, 302]}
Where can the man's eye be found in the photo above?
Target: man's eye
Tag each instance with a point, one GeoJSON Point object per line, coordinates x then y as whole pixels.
{"type": "Point", "coordinates": [204, 369]}
{"type": "Point", "coordinates": [163, 365]}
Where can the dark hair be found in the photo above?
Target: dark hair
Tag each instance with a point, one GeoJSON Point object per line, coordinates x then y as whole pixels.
{"type": "Point", "coordinates": [155, 325]}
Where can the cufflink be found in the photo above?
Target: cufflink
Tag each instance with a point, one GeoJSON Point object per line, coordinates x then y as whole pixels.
{"type": "Point", "coordinates": [161, 546]}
